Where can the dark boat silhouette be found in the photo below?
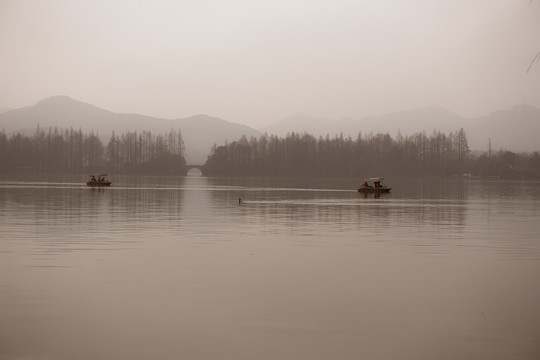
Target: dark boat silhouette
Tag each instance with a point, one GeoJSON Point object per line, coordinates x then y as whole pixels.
{"type": "Point", "coordinates": [374, 185]}
{"type": "Point", "coordinates": [98, 180]}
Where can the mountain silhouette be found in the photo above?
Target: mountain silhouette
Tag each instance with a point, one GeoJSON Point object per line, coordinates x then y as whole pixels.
{"type": "Point", "coordinates": [200, 132]}
{"type": "Point", "coordinates": [514, 129]}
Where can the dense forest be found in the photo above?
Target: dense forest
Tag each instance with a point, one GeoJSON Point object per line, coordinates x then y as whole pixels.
{"type": "Point", "coordinates": [370, 155]}
{"type": "Point", "coordinates": [438, 154]}
{"type": "Point", "coordinates": [74, 151]}
{"type": "Point", "coordinates": [506, 164]}
{"type": "Point", "coordinates": [303, 154]}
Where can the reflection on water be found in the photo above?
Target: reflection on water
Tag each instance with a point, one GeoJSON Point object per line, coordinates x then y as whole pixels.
{"type": "Point", "coordinates": [168, 267]}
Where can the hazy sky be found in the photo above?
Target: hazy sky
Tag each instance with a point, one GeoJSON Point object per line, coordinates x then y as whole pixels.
{"type": "Point", "coordinates": [256, 62]}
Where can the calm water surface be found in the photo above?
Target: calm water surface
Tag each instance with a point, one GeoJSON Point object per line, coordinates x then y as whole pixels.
{"type": "Point", "coordinates": [176, 268]}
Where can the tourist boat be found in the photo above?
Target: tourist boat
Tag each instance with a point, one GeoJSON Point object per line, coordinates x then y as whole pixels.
{"type": "Point", "coordinates": [374, 185]}
{"type": "Point", "coordinates": [98, 180]}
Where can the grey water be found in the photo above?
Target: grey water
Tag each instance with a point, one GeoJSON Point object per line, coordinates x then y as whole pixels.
{"type": "Point", "coordinates": [178, 268]}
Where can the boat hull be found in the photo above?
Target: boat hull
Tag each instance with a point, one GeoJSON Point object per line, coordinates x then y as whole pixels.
{"type": "Point", "coordinates": [98, 183]}
{"type": "Point", "coordinates": [374, 190]}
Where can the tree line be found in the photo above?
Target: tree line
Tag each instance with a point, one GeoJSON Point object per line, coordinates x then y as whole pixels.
{"type": "Point", "coordinates": [297, 154]}
{"type": "Point", "coordinates": [55, 150]}
{"type": "Point", "coordinates": [370, 154]}
{"type": "Point", "coordinates": [438, 154]}
{"type": "Point", "coordinates": [506, 164]}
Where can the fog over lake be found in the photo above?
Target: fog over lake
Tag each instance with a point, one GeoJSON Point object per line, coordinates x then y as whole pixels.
{"type": "Point", "coordinates": [175, 267]}
{"type": "Point", "coordinates": [236, 135]}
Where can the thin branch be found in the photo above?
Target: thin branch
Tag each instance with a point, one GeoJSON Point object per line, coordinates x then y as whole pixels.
{"type": "Point", "coordinates": [536, 58]}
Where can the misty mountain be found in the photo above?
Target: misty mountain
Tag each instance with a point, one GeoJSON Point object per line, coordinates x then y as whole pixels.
{"type": "Point", "coordinates": [515, 129]}
{"type": "Point", "coordinates": [407, 122]}
{"type": "Point", "coordinates": [64, 112]}
{"type": "Point", "coordinates": [426, 119]}
{"type": "Point", "coordinates": [301, 123]}
{"type": "Point", "coordinates": [199, 132]}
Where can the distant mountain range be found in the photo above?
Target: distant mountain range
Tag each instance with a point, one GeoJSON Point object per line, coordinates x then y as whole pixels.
{"type": "Point", "coordinates": [516, 129]}
{"type": "Point", "coordinates": [200, 132]}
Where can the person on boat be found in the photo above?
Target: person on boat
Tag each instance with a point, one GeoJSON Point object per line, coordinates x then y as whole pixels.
{"type": "Point", "coordinates": [366, 184]}
{"type": "Point", "coordinates": [93, 178]}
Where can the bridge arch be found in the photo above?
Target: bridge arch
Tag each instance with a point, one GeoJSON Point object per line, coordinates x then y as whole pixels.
{"type": "Point", "coordinates": [189, 167]}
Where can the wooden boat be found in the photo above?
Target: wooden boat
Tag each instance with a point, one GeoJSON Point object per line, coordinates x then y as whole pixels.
{"type": "Point", "coordinates": [374, 185]}
{"type": "Point", "coordinates": [98, 180]}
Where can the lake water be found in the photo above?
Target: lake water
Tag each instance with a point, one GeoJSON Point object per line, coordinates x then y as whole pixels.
{"type": "Point", "coordinates": [176, 268]}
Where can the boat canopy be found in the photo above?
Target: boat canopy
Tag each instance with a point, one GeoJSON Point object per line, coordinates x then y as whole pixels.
{"type": "Point", "coordinates": [98, 175]}
{"type": "Point", "coordinates": [375, 179]}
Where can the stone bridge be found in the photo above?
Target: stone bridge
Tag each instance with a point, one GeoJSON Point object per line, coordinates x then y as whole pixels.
{"type": "Point", "coordinates": [189, 167]}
